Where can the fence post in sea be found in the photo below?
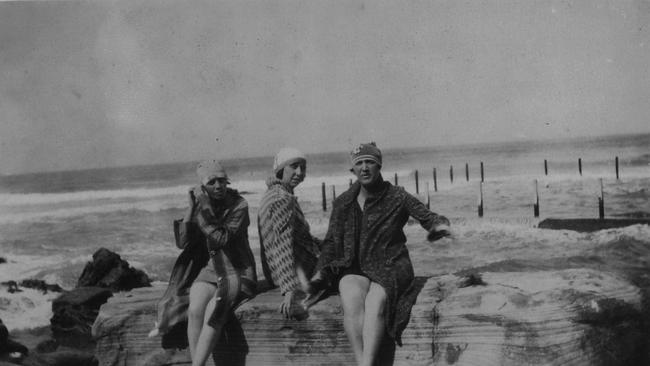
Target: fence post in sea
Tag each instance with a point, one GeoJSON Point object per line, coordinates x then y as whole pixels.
{"type": "Point", "coordinates": [435, 180]}
{"type": "Point", "coordinates": [580, 166]}
{"type": "Point", "coordinates": [350, 184]}
{"type": "Point", "coordinates": [480, 200]}
{"type": "Point", "coordinates": [545, 167]}
{"type": "Point", "coordinates": [451, 173]}
{"type": "Point", "coordinates": [467, 172]}
{"type": "Point", "coordinates": [428, 197]}
{"type": "Point", "coordinates": [395, 179]}
{"type": "Point", "coordinates": [536, 203]}
{"type": "Point", "coordinates": [333, 193]}
{"type": "Point", "coordinates": [324, 198]}
{"type": "Point", "coordinates": [617, 168]}
{"type": "Point", "coordinates": [482, 175]}
{"type": "Point", "coordinates": [417, 183]}
{"type": "Point", "coordinates": [601, 202]}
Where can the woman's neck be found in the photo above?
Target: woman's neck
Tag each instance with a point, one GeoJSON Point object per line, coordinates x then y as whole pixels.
{"type": "Point", "coordinates": [373, 188]}
{"type": "Point", "coordinates": [369, 190]}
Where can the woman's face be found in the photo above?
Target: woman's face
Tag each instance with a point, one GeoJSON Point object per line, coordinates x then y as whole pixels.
{"type": "Point", "coordinates": [216, 188]}
{"type": "Point", "coordinates": [294, 173]}
{"type": "Point", "coordinates": [367, 171]}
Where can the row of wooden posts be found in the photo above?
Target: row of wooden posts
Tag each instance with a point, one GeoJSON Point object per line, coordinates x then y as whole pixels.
{"type": "Point", "coordinates": [580, 166]}
{"type": "Point", "coordinates": [601, 202]}
{"type": "Point", "coordinates": [601, 199]}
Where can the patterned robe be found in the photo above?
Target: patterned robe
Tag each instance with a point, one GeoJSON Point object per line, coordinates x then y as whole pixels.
{"type": "Point", "coordinates": [218, 238]}
{"type": "Point", "coordinates": [381, 246]}
{"type": "Point", "coordinates": [285, 241]}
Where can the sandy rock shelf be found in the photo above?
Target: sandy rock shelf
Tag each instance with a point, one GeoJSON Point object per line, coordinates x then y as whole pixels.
{"type": "Point", "coordinates": [563, 317]}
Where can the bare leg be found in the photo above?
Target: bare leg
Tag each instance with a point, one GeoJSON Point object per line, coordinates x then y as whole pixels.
{"type": "Point", "coordinates": [209, 335]}
{"type": "Point", "coordinates": [220, 306]}
{"type": "Point", "coordinates": [353, 290]}
{"type": "Point", "coordinates": [374, 323]}
{"type": "Point", "coordinates": [200, 295]}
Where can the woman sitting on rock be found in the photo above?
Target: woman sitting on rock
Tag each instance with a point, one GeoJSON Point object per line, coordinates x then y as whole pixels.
{"type": "Point", "coordinates": [215, 227]}
{"type": "Point", "coordinates": [365, 253]}
{"type": "Point", "coordinates": [289, 252]}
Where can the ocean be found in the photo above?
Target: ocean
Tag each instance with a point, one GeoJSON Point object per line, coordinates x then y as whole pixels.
{"type": "Point", "coordinates": [51, 223]}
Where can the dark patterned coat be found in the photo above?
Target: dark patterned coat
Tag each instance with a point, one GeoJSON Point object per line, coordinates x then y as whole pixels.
{"type": "Point", "coordinates": [383, 255]}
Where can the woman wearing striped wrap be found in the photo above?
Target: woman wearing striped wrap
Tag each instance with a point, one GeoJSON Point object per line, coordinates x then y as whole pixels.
{"type": "Point", "coordinates": [289, 252]}
{"type": "Point", "coordinates": [217, 218]}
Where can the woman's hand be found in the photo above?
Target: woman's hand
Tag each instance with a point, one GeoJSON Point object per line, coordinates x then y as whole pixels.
{"type": "Point", "coordinates": [439, 232]}
{"type": "Point", "coordinates": [314, 285]}
{"type": "Point", "coordinates": [286, 306]}
{"type": "Point", "coordinates": [201, 197]}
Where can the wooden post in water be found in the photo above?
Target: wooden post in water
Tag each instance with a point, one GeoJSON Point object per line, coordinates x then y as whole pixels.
{"type": "Point", "coordinates": [324, 198]}
{"type": "Point", "coordinates": [466, 172]}
{"type": "Point", "coordinates": [435, 180]}
{"type": "Point", "coordinates": [480, 200]}
{"type": "Point", "coordinates": [536, 203]}
{"type": "Point", "coordinates": [601, 202]}
{"type": "Point", "coordinates": [428, 197]}
{"type": "Point", "coordinates": [417, 182]}
{"type": "Point", "coordinates": [545, 167]}
{"type": "Point", "coordinates": [617, 168]}
{"type": "Point", "coordinates": [482, 176]}
{"type": "Point", "coordinates": [350, 185]}
{"type": "Point", "coordinates": [333, 193]}
{"type": "Point", "coordinates": [396, 179]}
{"type": "Point", "coordinates": [451, 173]}
{"type": "Point", "coordinates": [580, 165]}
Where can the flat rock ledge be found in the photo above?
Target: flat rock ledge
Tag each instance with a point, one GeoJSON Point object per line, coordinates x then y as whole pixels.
{"type": "Point", "coordinates": [590, 225]}
{"type": "Point", "coordinates": [563, 317]}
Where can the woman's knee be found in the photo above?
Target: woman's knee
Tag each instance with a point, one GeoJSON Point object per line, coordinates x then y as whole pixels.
{"type": "Point", "coordinates": [353, 290]}
{"type": "Point", "coordinates": [196, 311]}
{"type": "Point", "coordinates": [375, 302]}
{"type": "Point", "coordinates": [200, 295]}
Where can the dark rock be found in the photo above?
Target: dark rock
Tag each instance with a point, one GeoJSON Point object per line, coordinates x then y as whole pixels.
{"type": "Point", "coordinates": [619, 329]}
{"type": "Point", "coordinates": [40, 285]}
{"type": "Point", "coordinates": [472, 279]}
{"type": "Point", "coordinates": [8, 345]}
{"type": "Point", "coordinates": [62, 357]}
{"type": "Point", "coordinates": [74, 313]}
{"type": "Point", "coordinates": [109, 270]}
{"type": "Point", "coordinates": [589, 225]}
{"type": "Point", "coordinates": [47, 346]}
{"type": "Point", "coordinates": [12, 286]}
{"type": "Point", "coordinates": [13, 346]}
{"type": "Point", "coordinates": [2, 260]}
{"type": "Point", "coordinates": [4, 333]}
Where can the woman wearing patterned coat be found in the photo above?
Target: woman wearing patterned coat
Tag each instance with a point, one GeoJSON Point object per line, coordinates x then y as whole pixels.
{"type": "Point", "coordinates": [217, 262]}
{"type": "Point", "coordinates": [365, 252]}
{"type": "Point", "coordinates": [289, 252]}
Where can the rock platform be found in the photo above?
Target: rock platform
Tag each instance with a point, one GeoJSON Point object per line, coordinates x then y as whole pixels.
{"type": "Point", "coordinates": [560, 317]}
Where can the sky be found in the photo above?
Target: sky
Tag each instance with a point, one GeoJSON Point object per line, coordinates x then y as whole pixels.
{"type": "Point", "coordinates": [96, 84]}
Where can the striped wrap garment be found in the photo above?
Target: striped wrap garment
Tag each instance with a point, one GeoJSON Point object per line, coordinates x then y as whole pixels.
{"type": "Point", "coordinates": [285, 240]}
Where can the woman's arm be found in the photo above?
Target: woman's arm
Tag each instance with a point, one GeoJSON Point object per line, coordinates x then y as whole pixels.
{"type": "Point", "coordinates": [220, 232]}
{"type": "Point", "coordinates": [436, 225]}
{"type": "Point", "coordinates": [182, 227]}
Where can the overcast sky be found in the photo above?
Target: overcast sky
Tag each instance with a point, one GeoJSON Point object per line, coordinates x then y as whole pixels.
{"type": "Point", "coordinates": [96, 84]}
